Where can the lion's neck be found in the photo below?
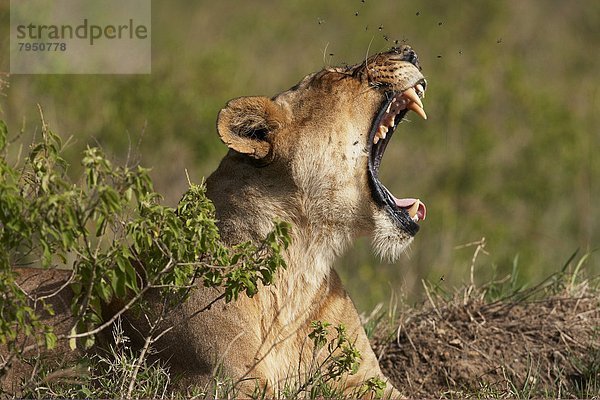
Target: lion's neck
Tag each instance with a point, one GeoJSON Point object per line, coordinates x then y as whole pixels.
{"type": "Point", "coordinates": [309, 259]}
{"type": "Point", "coordinates": [298, 288]}
{"type": "Point", "coordinates": [247, 213]}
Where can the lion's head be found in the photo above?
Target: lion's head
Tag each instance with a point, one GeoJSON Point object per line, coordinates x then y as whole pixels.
{"type": "Point", "coordinates": [312, 154]}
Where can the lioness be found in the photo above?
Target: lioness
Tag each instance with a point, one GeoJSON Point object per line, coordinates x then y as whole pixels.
{"type": "Point", "coordinates": [309, 156]}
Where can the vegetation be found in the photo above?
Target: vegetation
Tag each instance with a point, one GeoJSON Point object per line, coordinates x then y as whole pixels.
{"type": "Point", "coordinates": [104, 375]}
{"type": "Point", "coordinates": [101, 228]}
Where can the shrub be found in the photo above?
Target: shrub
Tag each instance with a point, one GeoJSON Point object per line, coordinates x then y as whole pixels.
{"type": "Point", "coordinates": [103, 227]}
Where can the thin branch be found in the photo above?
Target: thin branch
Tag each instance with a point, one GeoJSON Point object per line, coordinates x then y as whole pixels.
{"type": "Point", "coordinates": [150, 339]}
{"type": "Point", "coordinates": [119, 313]}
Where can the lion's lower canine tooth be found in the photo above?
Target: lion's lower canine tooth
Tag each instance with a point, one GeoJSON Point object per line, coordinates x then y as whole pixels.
{"type": "Point", "coordinates": [415, 107]}
{"type": "Point", "coordinates": [411, 94]}
{"type": "Point", "coordinates": [414, 209]}
{"type": "Point", "coordinates": [375, 139]}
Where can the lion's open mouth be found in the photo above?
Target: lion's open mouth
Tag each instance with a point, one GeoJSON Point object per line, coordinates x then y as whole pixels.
{"type": "Point", "coordinates": [406, 211]}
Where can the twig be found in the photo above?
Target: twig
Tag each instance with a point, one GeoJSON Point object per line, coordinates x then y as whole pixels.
{"type": "Point", "coordinates": [437, 311]}
{"type": "Point", "coordinates": [119, 313]}
{"type": "Point", "coordinates": [57, 291]}
{"type": "Point", "coordinates": [138, 362]}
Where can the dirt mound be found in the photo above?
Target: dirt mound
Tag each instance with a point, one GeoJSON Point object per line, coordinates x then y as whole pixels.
{"type": "Point", "coordinates": [548, 347]}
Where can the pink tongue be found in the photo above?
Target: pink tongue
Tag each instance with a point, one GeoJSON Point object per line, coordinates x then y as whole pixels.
{"type": "Point", "coordinates": [408, 203]}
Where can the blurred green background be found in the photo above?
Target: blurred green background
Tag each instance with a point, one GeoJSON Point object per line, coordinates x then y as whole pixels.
{"type": "Point", "coordinates": [509, 152]}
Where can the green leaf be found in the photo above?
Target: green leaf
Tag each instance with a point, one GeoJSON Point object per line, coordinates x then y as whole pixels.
{"type": "Point", "coordinates": [73, 341]}
{"type": "Point", "coordinates": [121, 284]}
{"type": "Point", "coordinates": [50, 339]}
{"type": "Point", "coordinates": [89, 341]}
{"type": "Point", "coordinates": [103, 290]}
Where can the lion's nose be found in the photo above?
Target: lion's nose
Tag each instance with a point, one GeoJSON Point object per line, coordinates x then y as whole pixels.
{"type": "Point", "coordinates": [408, 54]}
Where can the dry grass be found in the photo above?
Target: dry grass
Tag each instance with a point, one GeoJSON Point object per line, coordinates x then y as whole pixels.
{"type": "Point", "coordinates": [541, 342]}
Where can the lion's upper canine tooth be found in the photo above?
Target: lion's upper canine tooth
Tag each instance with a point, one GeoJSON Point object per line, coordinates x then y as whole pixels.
{"type": "Point", "coordinates": [411, 94]}
{"type": "Point", "coordinates": [414, 209]}
{"type": "Point", "coordinates": [415, 107]}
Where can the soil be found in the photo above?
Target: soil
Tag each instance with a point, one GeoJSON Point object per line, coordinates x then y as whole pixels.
{"type": "Point", "coordinates": [548, 347]}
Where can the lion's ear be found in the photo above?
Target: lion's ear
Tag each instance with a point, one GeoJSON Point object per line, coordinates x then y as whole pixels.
{"type": "Point", "coordinates": [248, 124]}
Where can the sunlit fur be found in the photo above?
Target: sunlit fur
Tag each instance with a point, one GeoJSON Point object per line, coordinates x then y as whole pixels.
{"type": "Point", "coordinates": [389, 242]}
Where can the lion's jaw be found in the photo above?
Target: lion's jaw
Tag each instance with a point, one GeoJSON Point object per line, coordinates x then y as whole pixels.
{"type": "Point", "coordinates": [311, 156]}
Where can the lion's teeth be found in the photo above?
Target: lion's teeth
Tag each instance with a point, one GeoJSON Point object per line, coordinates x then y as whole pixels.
{"type": "Point", "coordinates": [380, 134]}
{"type": "Point", "coordinates": [411, 94]}
{"type": "Point", "coordinates": [419, 110]}
{"type": "Point", "coordinates": [414, 209]}
{"type": "Point", "coordinates": [377, 137]}
{"type": "Point", "coordinates": [389, 121]}
{"type": "Point", "coordinates": [383, 131]}
{"type": "Point", "coordinates": [389, 107]}
{"type": "Point", "coordinates": [420, 90]}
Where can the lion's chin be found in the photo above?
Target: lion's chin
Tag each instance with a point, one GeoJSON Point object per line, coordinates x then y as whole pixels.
{"type": "Point", "coordinates": [389, 241]}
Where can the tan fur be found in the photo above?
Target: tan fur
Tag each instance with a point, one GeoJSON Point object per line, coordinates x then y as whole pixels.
{"type": "Point", "coordinates": [299, 157]}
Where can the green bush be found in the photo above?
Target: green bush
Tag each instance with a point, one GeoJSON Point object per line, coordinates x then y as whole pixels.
{"type": "Point", "coordinates": [104, 227]}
